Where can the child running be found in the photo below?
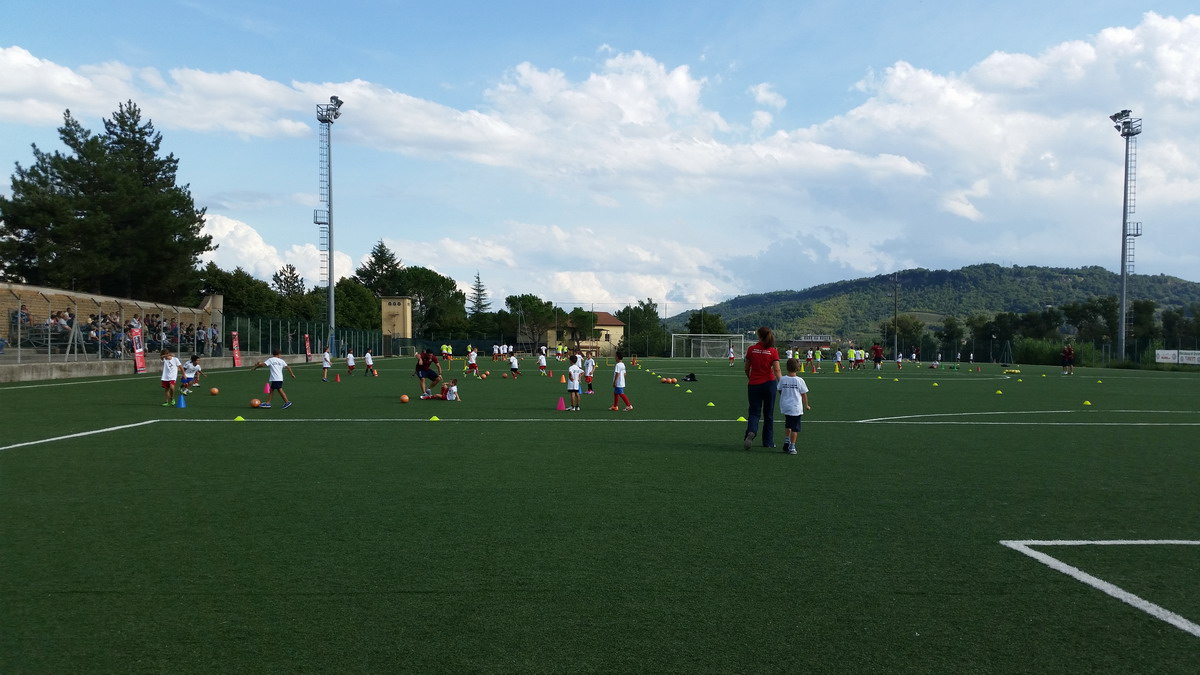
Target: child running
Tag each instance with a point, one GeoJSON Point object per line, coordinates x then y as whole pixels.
{"type": "Point", "coordinates": [472, 367]}
{"type": "Point", "coordinates": [619, 383]}
{"type": "Point", "coordinates": [275, 366]}
{"type": "Point", "coordinates": [169, 374]}
{"type": "Point", "coordinates": [191, 374]}
{"type": "Point", "coordinates": [350, 361]}
{"type": "Point", "coordinates": [514, 366]}
{"type": "Point", "coordinates": [793, 401]}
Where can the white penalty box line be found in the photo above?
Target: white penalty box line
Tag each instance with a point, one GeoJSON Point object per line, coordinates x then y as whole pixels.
{"type": "Point", "coordinates": [1159, 612]}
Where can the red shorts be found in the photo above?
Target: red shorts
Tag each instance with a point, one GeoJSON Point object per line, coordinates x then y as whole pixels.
{"type": "Point", "coordinates": [472, 366]}
{"type": "Point", "coordinates": [167, 384]}
{"type": "Point", "coordinates": [350, 368]}
{"type": "Point", "coordinates": [541, 367]}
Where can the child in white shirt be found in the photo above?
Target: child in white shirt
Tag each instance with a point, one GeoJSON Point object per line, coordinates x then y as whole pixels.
{"type": "Point", "coordinates": [793, 401]}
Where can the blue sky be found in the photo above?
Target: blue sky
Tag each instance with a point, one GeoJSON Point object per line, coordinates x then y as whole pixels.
{"type": "Point", "coordinates": [687, 152]}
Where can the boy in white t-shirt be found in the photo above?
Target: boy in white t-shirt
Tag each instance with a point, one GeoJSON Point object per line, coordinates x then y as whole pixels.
{"type": "Point", "coordinates": [191, 374]}
{"type": "Point", "coordinates": [275, 366]}
{"type": "Point", "coordinates": [541, 364]}
{"type": "Point", "coordinates": [589, 370]}
{"type": "Point", "coordinates": [370, 361]}
{"type": "Point", "coordinates": [514, 366]}
{"type": "Point", "coordinates": [619, 384]}
{"type": "Point", "coordinates": [574, 373]}
{"type": "Point", "coordinates": [472, 367]}
{"type": "Point", "coordinates": [350, 361]}
{"type": "Point", "coordinates": [170, 373]}
{"type": "Point", "coordinates": [793, 401]}
{"type": "Point", "coordinates": [326, 364]}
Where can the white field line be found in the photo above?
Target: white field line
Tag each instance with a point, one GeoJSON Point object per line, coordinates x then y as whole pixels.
{"type": "Point", "coordinates": [150, 373]}
{"type": "Point", "coordinates": [571, 419]}
{"type": "Point", "coordinates": [80, 434]}
{"type": "Point", "coordinates": [1102, 585]}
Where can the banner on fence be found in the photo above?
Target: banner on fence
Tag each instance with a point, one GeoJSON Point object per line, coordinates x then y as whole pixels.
{"type": "Point", "coordinates": [237, 349]}
{"type": "Point", "coordinates": [1187, 357]}
{"type": "Point", "coordinates": [307, 349]}
{"type": "Point", "coordinates": [139, 350]}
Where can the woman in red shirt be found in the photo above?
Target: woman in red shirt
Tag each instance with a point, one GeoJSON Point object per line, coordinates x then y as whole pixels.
{"type": "Point", "coordinates": [762, 374]}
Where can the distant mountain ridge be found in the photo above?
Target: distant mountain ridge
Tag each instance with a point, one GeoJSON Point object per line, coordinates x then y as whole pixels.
{"type": "Point", "coordinates": [853, 309]}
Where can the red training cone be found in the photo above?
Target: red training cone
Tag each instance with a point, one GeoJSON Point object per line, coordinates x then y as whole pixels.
{"type": "Point", "coordinates": [337, 378]}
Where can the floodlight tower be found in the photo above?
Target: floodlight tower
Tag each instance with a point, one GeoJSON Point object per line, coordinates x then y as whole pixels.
{"type": "Point", "coordinates": [1129, 127]}
{"type": "Point", "coordinates": [323, 218]}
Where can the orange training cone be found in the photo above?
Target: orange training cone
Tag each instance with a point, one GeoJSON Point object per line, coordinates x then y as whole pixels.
{"type": "Point", "coordinates": [562, 379]}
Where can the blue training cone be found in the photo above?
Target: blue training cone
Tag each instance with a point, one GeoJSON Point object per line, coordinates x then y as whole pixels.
{"type": "Point", "coordinates": [182, 402]}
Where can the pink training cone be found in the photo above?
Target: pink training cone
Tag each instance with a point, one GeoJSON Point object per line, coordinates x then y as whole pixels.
{"type": "Point", "coordinates": [562, 405]}
{"type": "Point", "coordinates": [266, 387]}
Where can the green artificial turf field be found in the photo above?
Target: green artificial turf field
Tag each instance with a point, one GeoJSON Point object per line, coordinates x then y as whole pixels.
{"type": "Point", "coordinates": [352, 533]}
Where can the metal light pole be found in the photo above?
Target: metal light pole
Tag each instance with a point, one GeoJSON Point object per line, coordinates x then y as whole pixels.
{"type": "Point", "coordinates": [326, 114]}
{"type": "Point", "coordinates": [1129, 127]}
{"type": "Point", "coordinates": [896, 314]}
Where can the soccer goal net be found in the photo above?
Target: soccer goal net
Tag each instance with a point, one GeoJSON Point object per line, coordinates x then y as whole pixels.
{"type": "Point", "coordinates": [707, 345]}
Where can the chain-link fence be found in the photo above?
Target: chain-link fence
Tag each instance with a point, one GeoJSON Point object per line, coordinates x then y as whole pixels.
{"type": "Point", "coordinates": [293, 336]}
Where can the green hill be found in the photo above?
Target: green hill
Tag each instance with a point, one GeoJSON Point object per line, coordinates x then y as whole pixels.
{"type": "Point", "coordinates": [853, 309]}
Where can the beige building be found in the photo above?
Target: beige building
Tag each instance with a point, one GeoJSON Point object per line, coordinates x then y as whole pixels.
{"type": "Point", "coordinates": [609, 331]}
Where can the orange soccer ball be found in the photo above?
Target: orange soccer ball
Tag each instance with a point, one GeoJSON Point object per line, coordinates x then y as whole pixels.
{"type": "Point", "coordinates": [214, 391]}
{"type": "Point", "coordinates": [404, 398]}
{"type": "Point", "coordinates": [487, 372]}
{"type": "Point", "coordinates": [254, 403]}
{"type": "Point", "coordinates": [504, 375]}
{"type": "Point", "coordinates": [673, 380]}
{"type": "Point", "coordinates": [483, 376]}
{"type": "Point", "coordinates": [663, 380]}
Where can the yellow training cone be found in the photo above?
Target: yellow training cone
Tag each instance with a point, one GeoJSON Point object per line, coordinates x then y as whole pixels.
{"type": "Point", "coordinates": [434, 419]}
{"type": "Point", "coordinates": [1087, 402]}
{"type": "Point", "coordinates": [741, 419]}
{"type": "Point", "coordinates": [1099, 381]}
{"type": "Point", "coordinates": [999, 392]}
{"type": "Point", "coordinates": [688, 391]}
{"type": "Point", "coordinates": [935, 384]}
{"type": "Point", "coordinates": [1020, 380]}
{"type": "Point", "coordinates": [711, 405]}
{"type": "Point", "coordinates": [239, 418]}
{"type": "Point", "coordinates": [895, 379]}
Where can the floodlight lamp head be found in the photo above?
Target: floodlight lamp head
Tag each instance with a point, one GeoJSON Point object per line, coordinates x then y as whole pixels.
{"type": "Point", "coordinates": [1117, 117]}
{"type": "Point", "coordinates": [337, 102]}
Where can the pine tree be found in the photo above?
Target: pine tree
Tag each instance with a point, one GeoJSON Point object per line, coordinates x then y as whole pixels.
{"type": "Point", "coordinates": [478, 300]}
{"type": "Point", "coordinates": [287, 281]}
{"type": "Point", "coordinates": [381, 273]}
{"type": "Point", "coordinates": [106, 217]}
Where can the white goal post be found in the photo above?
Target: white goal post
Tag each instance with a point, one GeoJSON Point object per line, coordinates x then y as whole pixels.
{"type": "Point", "coordinates": [707, 345]}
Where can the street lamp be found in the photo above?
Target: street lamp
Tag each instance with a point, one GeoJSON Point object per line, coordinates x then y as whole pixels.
{"type": "Point", "coordinates": [1129, 127]}
{"type": "Point", "coordinates": [326, 114]}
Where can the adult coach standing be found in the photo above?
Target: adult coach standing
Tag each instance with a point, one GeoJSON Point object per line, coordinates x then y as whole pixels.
{"type": "Point", "coordinates": [762, 374]}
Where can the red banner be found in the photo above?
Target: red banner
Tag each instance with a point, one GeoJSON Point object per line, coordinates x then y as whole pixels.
{"type": "Point", "coordinates": [307, 349]}
{"type": "Point", "coordinates": [139, 350]}
{"type": "Point", "coordinates": [237, 350]}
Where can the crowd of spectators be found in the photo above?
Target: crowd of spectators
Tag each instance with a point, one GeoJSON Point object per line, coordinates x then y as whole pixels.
{"type": "Point", "coordinates": [106, 334]}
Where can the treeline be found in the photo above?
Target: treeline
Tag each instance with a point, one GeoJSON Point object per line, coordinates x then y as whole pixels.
{"type": "Point", "coordinates": [439, 309]}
